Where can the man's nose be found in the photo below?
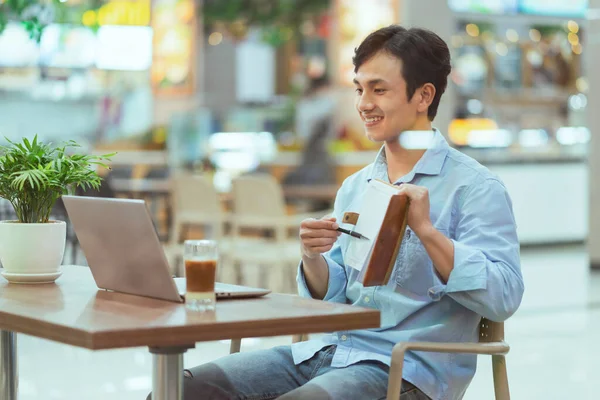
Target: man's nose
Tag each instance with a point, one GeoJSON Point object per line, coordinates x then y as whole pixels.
{"type": "Point", "coordinates": [365, 103]}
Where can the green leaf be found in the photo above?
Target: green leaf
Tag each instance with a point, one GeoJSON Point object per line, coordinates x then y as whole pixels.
{"type": "Point", "coordinates": [33, 175]}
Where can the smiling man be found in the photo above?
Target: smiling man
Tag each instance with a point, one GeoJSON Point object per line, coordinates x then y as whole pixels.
{"type": "Point", "coordinates": [459, 259]}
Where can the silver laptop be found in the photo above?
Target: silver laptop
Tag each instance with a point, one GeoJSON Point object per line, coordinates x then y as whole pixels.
{"type": "Point", "coordinates": [124, 253]}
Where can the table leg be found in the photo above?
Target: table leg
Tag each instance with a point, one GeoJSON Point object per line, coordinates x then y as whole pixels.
{"type": "Point", "coordinates": [8, 365]}
{"type": "Point", "coordinates": [167, 372]}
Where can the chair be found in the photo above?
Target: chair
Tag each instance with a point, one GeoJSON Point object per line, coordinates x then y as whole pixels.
{"type": "Point", "coordinates": [195, 202]}
{"type": "Point", "coordinates": [491, 342]}
{"type": "Point", "coordinates": [258, 203]}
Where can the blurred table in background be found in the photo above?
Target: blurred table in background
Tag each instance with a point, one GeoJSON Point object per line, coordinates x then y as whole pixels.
{"type": "Point", "coordinates": [157, 193]}
{"type": "Point", "coordinates": [163, 186]}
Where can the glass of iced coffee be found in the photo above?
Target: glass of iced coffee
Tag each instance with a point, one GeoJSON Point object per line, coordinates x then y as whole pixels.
{"type": "Point", "coordinates": [200, 257]}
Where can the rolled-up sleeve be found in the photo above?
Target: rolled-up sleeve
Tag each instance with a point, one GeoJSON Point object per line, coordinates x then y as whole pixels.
{"type": "Point", "coordinates": [336, 287]}
{"type": "Point", "coordinates": [486, 277]}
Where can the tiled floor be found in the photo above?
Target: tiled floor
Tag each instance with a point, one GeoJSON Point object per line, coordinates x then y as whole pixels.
{"type": "Point", "coordinates": [554, 338]}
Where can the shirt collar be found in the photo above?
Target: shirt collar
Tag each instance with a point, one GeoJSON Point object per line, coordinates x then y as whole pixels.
{"type": "Point", "coordinates": [430, 163]}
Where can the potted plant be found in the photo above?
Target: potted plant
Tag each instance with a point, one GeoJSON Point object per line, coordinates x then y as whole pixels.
{"type": "Point", "coordinates": [33, 176]}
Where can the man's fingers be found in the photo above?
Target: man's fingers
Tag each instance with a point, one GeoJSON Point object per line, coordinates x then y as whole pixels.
{"type": "Point", "coordinates": [323, 249]}
{"type": "Point", "coordinates": [319, 224]}
{"type": "Point", "coordinates": [318, 242]}
{"type": "Point", "coordinates": [318, 233]}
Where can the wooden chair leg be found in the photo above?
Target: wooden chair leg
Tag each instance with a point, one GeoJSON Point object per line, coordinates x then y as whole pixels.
{"type": "Point", "coordinates": [237, 271]}
{"type": "Point", "coordinates": [236, 346]}
{"type": "Point", "coordinates": [500, 378]}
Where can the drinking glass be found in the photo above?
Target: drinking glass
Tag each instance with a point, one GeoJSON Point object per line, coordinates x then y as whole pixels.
{"type": "Point", "coordinates": [201, 258]}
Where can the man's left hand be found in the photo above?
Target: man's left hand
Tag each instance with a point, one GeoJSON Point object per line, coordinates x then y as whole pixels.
{"type": "Point", "coordinates": [418, 211]}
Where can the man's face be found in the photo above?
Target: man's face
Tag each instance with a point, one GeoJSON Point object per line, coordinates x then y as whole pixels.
{"type": "Point", "coordinates": [381, 99]}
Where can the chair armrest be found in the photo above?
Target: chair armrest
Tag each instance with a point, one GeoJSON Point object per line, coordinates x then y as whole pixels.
{"type": "Point", "coordinates": [395, 376]}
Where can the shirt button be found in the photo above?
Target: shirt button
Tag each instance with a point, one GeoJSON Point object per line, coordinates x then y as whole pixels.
{"type": "Point", "coordinates": [344, 337]}
{"type": "Point", "coordinates": [367, 299]}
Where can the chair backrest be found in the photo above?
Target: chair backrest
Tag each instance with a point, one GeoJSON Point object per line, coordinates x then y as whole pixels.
{"type": "Point", "coordinates": [490, 331]}
{"type": "Point", "coordinates": [195, 194]}
{"type": "Point", "coordinates": [258, 195]}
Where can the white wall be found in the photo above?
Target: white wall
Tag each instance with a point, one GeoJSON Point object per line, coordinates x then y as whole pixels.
{"type": "Point", "coordinates": [550, 201]}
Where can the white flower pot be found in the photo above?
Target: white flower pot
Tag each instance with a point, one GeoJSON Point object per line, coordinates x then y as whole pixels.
{"type": "Point", "coordinates": [32, 253]}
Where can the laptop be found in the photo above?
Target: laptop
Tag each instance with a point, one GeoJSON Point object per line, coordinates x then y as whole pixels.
{"type": "Point", "coordinates": [124, 253]}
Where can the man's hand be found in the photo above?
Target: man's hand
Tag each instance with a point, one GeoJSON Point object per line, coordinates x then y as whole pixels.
{"type": "Point", "coordinates": [418, 211]}
{"type": "Point", "coordinates": [318, 236]}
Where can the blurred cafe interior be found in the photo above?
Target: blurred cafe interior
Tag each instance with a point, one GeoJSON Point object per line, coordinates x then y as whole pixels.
{"type": "Point", "coordinates": [235, 121]}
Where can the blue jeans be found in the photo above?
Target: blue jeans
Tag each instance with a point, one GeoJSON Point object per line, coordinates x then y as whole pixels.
{"type": "Point", "coordinates": [271, 374]}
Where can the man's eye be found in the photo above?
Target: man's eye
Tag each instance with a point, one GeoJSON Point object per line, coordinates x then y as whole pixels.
{"type": "Point", "coordinates": [379, 91]}
{"type": "Point", "coordinates": [358, 90]}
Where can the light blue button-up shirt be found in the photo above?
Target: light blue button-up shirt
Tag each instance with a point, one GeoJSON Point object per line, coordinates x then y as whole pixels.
{"type": "Point", "coordinates": [471, 207]}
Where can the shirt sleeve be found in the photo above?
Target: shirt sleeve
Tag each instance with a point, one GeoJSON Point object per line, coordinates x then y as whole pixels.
{"type": "Point", "coordinates": [486, 277]}
{"type": "Point", "coordinates": [336, 287]}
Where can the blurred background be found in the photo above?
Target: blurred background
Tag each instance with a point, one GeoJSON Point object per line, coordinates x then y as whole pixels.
{"type": "Point", "coordinates": [225, 110]}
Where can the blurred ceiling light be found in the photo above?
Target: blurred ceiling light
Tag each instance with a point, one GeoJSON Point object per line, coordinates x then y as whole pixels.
{"type": "Point", "coordinates": [535, 35]}
{"type": "Point", "coordinates": [570, 135]}
{"type": "Point", "coordinates": [501, 49]}
{"type": "Point", "coordinates": [215, 38]}
{"type": "Point", "coordinates": [535, 58]}
{"type": "Point", "coordinates": [489, 138]}
{"type": "Point", "coordinates": [573, 38]}
{"type": "Point", "coordinates": [261, 144]}
{"type": "Point", "coordinates": [577, 49]}
{"type": "Point", "coordinates": [472, 30]}
{"type": "Point", "coordinates": [474, 106]}
{"type": "Point", "coordinates": [459, 129]}
{"type": "Point", "coordinates": [582, 84]}
{"type": "Point", "coordinates": [235, 160]}
{"type": "Point", "coordinates": [573, 26]}
{"type": "Point", "coordinates": [577, 101]}
{"type": "Point", "coordinates": [512, 35]}
{"type": "Point", "coordinates": [533, 138]}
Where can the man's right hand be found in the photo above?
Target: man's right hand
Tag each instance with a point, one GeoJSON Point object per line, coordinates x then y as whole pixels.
{"type": "Point", "coordinates": [318, 236]}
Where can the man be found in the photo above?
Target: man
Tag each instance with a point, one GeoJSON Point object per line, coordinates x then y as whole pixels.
{"type": "Point", "coordinates": [459, 261]}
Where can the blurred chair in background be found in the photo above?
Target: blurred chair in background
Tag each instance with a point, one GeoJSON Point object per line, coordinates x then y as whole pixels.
{"type": "Point", "coordinates": [195, 203]}
{"type": "Point", "coordinates": [259, 205]}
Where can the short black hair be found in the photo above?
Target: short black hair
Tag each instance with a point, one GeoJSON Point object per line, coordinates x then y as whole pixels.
{"type": "Point", "coordinates": [425, 58]}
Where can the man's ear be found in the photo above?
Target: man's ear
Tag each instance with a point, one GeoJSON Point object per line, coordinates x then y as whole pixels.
{"type": "Point", "coordinates": [426, 95]}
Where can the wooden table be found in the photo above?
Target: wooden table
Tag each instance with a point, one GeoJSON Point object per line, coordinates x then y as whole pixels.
{"type": "Point", "coordinates": [75, 312]}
